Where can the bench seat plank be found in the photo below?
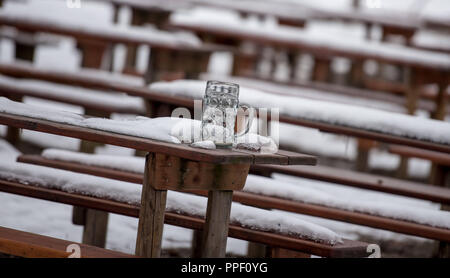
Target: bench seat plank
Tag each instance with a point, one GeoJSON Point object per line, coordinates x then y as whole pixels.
{"type": "Point", "coordinates": [28, 245]}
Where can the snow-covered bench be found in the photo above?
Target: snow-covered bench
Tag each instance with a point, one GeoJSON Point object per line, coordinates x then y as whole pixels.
{"type": "Point", "coordinates": [275, 229]}
{"type": "Point", "coordinates": [28, 245]}
{"type": "Point", "coordinates": [172, 53]}
{"type": "Point", "coordinates": [426, 66]}
{"type": "Point", "coordinates": [314, 198]}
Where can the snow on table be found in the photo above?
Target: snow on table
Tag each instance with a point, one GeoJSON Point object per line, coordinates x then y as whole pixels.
{"type": "Point", "coordinates": [302, 190]}
{"type": "Point", "coordinates": [214, 21]}
{"type": "Point", "coordinates": [166, 129]}
{"type": "Point", "coordinates": [323, 111]}
{"type": "Point", "coordinates": [249, 217]}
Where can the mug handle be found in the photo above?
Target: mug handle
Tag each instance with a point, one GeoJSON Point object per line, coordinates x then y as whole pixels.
{"type": "Point", "coordinates": [249, 120]}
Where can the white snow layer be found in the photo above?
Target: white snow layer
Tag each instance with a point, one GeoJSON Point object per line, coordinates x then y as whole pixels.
{"type": "Point", "coordinates": [305, 190]}
{"type": "Point", "coordinates": [118, 101]}
{"type": "Point", "coordinates": [85, 20]}
{"type": "Point", "coordinates": [130, 193]}
{"type": "Point", "coordinates": [323, 111]}
{"type": "Point", "coordinates": [201, 17]}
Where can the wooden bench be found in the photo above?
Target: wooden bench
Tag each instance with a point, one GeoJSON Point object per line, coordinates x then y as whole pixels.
{"type": "Point", "coordinates": [271, 202]}
{"type": "Point", "coordinates": [28, 245]}
{"type": "Point", "coordinates": [347, 248]}
{"type": "Point", "coordinates": [169, 55]}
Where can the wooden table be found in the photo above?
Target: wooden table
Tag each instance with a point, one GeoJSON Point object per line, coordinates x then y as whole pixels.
{"type": "Point", "coordinates": [176, 167]}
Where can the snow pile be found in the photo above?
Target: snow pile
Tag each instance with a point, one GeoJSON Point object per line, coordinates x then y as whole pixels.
{"type": "Point", "coordinates": [130, 193]}
{"type": "Point", "coordinates": [310, 191]}
{"type": "Point", "coordinates": [323, 111]}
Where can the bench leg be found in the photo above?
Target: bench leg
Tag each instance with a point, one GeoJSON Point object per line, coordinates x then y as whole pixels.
{"type": "Point", "coordinates": [13, 133]}
{"type": "Point", "coordinates": [443, 179]}
{"type": "Point", "coordinates": [95, 228]}
{"type": "Point", "coordinates": [256, 250]}
{"type": "Point", "coordinates": [441, 100]}
{"type": "Point", "coordinates": [25, 52]}
{"type": "Point", "coordinates": [151, 215]}
{"type": "Point", "coordinates": [215, 232]}
{"type": "Point", "coordinates": [197, 244]}
{"type": "Point", "coordinates": [321, 69]}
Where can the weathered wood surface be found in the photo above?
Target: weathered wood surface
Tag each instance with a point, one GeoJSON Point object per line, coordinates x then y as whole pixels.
{"type": "Point", "coordinates": [215, 233]}
{"type": "Point", "coordinates": [426, 192]}
{"type": "Point", "coordinates": [346, 249]}
{"type": "Point", "coordinates": [174, 173]}
{"type": "Point", "coordinates": [151, 215]}
{"type": "Point", "coordinates": [436, 157]}
{"type": "Point", "coordinates": [28, 245]}
{"type": "Point", "coordinates": [217, 156]}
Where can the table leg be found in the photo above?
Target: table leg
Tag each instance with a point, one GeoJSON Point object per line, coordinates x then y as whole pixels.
{"type": "Point", "coordinates": [216, 226]}
{"type": "Point", "coordinates": [151, 215]}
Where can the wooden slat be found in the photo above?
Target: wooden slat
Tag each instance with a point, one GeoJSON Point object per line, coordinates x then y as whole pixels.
{"type": "Point", "coordinates": [8, 90]}
{"type": "Point", "coordinates": [360, 180]}
{"type": "Point", "coordinates": [363, 180]}
{"type": "Point", "coordinates": [436, 157]}
{"type": "Point", "coordinates": [28, 245]}
{"type": "Point", "coordinates": [347, 249]}
{"type": "Point", "coordinates": [79, 33]}
{"type": "Point", "coordinates": [137, 143]}
{"type": "Point", "coordinates": [394, 225]}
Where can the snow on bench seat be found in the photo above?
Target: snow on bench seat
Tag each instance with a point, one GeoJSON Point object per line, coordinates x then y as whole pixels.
{"type": "Point", "coordinates": [114, 102]}
{"type": "Point", "coordinates": [215, 22]}
{"type": "Point", "coordinates": [323, 111]}
{"type": "Point", "coordinates": [297, 189]}
{"type": "Point", "coordinates": [130, 193]}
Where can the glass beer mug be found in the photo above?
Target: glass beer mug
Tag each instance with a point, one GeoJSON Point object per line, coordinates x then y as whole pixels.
{"type": "Point", "coordinates": [220, 119]}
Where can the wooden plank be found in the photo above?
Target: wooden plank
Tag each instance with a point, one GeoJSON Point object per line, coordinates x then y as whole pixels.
{"type": "Point", "coordinates": [377, 136]}
{"type": "Point", "coordinates": [173, 173]}
{"type": "Point", "coordinates": [345, 216]}
{"type": "Point", "coordinates": [28, 245]}
{"type": "Point", "coordinates": [436, 157]}
{"type": "Point", "coordinates": [137, 143]}
{"type": "Point", "coordinates": [215, 233]}
{"type": "Point", "coordinates": [363, 180]}
{"type": "Point", "coordinates": [189, 222]}
{"type": "Point", "coordinates": [80, 168]}
{"type": "Point", "coordinates": [12, 91]}
{"type": "Point", "coordinates": [151, 215]}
